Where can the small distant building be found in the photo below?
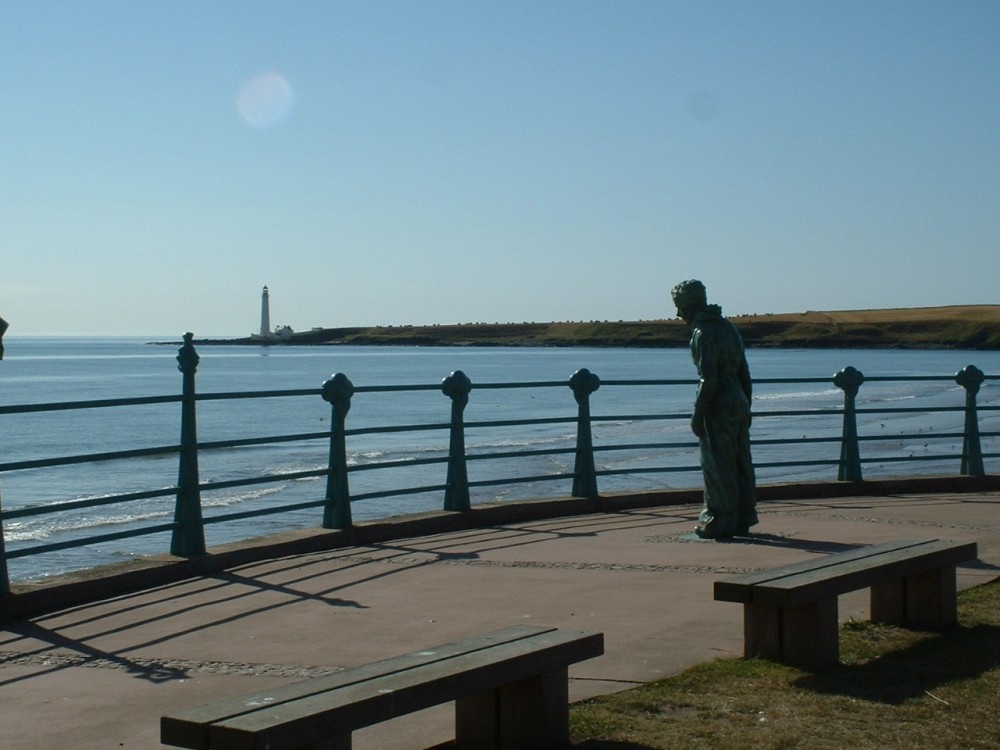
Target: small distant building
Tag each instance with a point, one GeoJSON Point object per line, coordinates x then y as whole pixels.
{"type": "Point", "coordinates": [266, 335]}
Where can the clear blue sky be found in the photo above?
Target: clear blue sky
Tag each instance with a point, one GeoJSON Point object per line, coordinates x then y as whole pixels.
{"type": "Point", "coordinates": [382, 163]}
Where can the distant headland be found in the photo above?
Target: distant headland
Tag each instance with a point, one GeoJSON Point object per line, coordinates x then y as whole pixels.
{"type": "Point", "coordinates": [956, 327]}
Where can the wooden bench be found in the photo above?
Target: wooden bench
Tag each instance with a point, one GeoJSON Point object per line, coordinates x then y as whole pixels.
{"type": "Point", "coordinates": [510, 687]}
{"type": "Point", "coordinates": [790, 613]}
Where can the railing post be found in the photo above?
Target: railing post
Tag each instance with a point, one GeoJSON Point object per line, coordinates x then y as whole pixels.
{"type": "Point", "coordinates": [970, 378]}
{"type": "Point", "coordinates": [456, 494]}
{"type": "Point", "coordinates": [4, 578]}
{"type": "Point", "coordinates": [188, 538]}
{"type": "Point", "coordinates": [337, 391]}
{"type": "Point", "coordinates": [849, 380]}
{"type": "Point", "coordinates": [583, 383]}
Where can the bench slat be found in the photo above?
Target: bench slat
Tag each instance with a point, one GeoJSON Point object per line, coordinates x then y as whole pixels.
{"type": "Point", "coordinates": [740, 588]}
{"type": "Point", "coordinates": [851, 575]}
{"type": "Point", "coordinates": [190, 728]}
{"type": "Point", "coordinates": [358, 705]}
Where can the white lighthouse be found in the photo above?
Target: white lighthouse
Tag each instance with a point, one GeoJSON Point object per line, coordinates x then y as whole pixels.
{"type": "Point", "coordinates": [266, 335]}
{"type": "Point", "coordinates": [265, 314]}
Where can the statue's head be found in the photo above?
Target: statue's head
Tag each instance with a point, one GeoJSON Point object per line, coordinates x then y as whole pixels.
{"type": "Point", "coordinates": [689, 297]}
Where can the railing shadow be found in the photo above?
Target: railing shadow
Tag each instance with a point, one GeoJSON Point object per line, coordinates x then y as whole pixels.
{"type": "Point", "coordinates": [82, 654]}
{"type": "Point", "coordinates": [289, 580]}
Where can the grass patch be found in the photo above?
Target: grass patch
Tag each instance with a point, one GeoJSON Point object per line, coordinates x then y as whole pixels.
{"type": "Point", "coordinates": [968, 327]}
{"type": "Point", "coordinates": [894, 688]}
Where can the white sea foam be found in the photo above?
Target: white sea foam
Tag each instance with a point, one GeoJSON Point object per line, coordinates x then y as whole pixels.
{"type": "Point", "coordinates": [799, 395]}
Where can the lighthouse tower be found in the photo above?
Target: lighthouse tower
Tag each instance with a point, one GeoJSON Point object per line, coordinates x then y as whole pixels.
{"type": "Point", "coordinates": [265, 314]}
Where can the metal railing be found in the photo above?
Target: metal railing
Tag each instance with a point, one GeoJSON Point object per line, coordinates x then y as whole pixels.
{"type": "Point", "coordinates": [187, 529]}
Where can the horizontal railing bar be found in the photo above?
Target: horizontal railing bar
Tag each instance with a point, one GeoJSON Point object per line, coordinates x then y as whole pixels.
{"type": "Point", "coordinates": [644, 446]}
{"type": "Point", "coordinates": [793, 381]}
{"type": "Point", "coordinates": [796, 441]}
{"type": "Point", "coordinates": [396, 388]}
{"type": "Point", "coordinates": [639, 417]}
{"type": "Point", "coordinates": [909, 378]}
{"type": "Point", "coordinates": [244, 442]}
{"type": "Point", "coordinates": [234, 395]}
{"type": "Point", "coordinates": [97, 539]}
{"type": "Point", "coordinates": [832, 411]}
{"type": "Point", "coordinates": [90, 502]}
{"type": "Point", "coordinates": [226, 484]}
{"type": "Point", "coordinates": [397, 428]}
{"type": "Point", "coordinates": [862, 438]}
{"type": "Point", "coordinates": [87, 458]}
{"type": "Point", "coordinates": [804, 462]}
{"type": "Point", "coordinates": [898, 459]}
{"type": "Point", "coordinates": [519, 480]}
{"type": "Point", "coordinates": [649, 470]}
{"type": "Point", "coordinates": [135, 453]}
{"type": "Point", "coordinates": [522, 422]}
{"type": "Point", "coordinates": [256, 512]}
{"type": "Point", "coordinates": [614, 382]}
{"type": "Point", "coordinates": [907, 409]}
{"type": "Point", "coordinates": [399, 463]}
{"type": "Point", "coordinates": [92, 404]}
{"type": "Point", "coordinates": [283, 393]}
{"type": "Point", "coordinates": [865, 410]}
{"type": "Point", "coordinates": [395, 492]}
{"type": "Point", "coordinates": [526, 384]}
{"type": "Point", "coordinates": [913, 436]}
{"type": "Point", "coordinates": [867, 407]}
{"type": "Point", "coordinates": [520, 454]}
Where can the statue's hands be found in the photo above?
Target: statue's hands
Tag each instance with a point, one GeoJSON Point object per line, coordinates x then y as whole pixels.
{"type": "Point", "coordinates": [698, 425]}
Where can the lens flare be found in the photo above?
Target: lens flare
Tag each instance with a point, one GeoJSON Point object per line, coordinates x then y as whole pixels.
{"type": "Point", "coordinates": [265, 100]}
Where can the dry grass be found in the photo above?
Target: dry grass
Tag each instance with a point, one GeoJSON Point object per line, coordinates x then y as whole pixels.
{"type": "Point", "coordinates": [959, 326]}
{"type": "Point", "coordinates": [899, 314]}
{"type": "Point", "coordinates": [969, 326]}
{"type": "Point", "coordinates": [895, 688]}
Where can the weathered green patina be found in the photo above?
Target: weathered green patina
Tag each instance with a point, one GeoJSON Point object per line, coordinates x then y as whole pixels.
{"type": "Point", "coordinates": [4, 325]}
{"type": "Point", "coordinates": [721, 418]}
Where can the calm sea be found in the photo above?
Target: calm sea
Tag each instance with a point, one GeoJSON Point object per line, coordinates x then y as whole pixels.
{"type": "Point", "coordinates": [41, 370]}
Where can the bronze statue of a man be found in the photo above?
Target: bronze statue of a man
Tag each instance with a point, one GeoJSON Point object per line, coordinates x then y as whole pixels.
{"type": "Point", "coordinates": [721, 417]}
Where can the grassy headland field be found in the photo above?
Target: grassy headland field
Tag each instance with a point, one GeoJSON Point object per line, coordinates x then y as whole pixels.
{"type": "Point", "coordinates": [956, 327]}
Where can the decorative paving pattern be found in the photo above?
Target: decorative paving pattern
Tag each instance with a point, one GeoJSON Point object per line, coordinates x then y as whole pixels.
{"type": "Point", "coordinates": [887, 521]}
{"type": "Point", "coordinates": [160, 669]}
{"type": "Point", "coordinates": [555, 565]}
{"type": "Point", "coordinates": [689, 537]}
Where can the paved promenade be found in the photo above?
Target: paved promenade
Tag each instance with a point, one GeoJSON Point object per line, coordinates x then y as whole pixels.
{"type": "Point", "coordinates": [99, 676]}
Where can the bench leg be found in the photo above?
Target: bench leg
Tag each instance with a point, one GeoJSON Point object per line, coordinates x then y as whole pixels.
{"type": "Point", "coordinates": [761, 632]}
{"type": "Point", "coordinates": [925, 599]}
{"type": "Point", "coordinates": [931, 598]}
{"type": "Point", "coordinates": [888, 602]}
{"type": "Point", "coordinates": [524, 715]}
{"type": "Point", "coordinates": [804, 636]}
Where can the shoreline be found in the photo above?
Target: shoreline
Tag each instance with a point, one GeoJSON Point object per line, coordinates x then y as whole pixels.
{"type": "Point", "coordinates": [970, 327]}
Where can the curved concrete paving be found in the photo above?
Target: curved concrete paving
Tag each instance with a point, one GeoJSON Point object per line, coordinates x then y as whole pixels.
{"type": "Point", "coordinates": [99, 676]}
